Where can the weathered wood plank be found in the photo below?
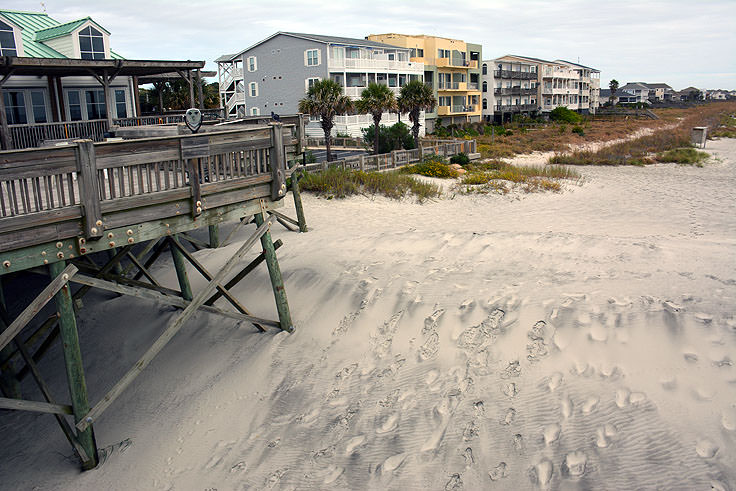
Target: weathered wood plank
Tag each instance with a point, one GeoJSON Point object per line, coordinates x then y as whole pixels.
{"type": "Point", "coordinates": [35, 406]}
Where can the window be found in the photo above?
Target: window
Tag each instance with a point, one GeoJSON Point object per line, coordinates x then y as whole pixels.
{"type": "Point", "coordinates": [254, 111]}
{"type": "Point", "coordinates": [445, 101]}
{"type": "Point", "coordinates": [416, 53]}
{"type": "Point", "coordinates": [7, 40]}
{"type": "Point", "coordinates": [38, 103]}
{"type": "Point", "coordinates": [91, 44]}
{"type": "Point", "coordinates": [485, 86]}
{"type": "Point", "coordinates": [485, 103]}
{"type": "Point", "coordinates": [120, 106]}
{"type": "Point", "coordinates": [311, 57]}
{"type": "Point", "coordinates": [15, 107]}
{"type": "Point", "coordinates": [485, 69]}
{"type": "Point", "coordinates": [252, 64]}
{"type": "Point", "coordinates": [95, 104]}
{"type": "Point", "coordinates": [443, 53]}
{"type": "Point", "coordinates": [391, 56]}
{"type": "Point", "coordinates": [308, 83]}
{"type": "Point", "coordinates": [75, 105]}
{"type": "Point", "coordinates": [253, 89]}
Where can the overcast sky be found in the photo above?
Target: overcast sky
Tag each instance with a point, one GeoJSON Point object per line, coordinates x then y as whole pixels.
{"type": "Point", "coordinates": [679, 42]}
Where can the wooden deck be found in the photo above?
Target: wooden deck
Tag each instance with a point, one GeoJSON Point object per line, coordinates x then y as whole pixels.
{"type": "Point", "coordinates": [58, 203]}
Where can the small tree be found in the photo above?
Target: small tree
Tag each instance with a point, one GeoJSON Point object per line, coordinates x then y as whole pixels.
{"type": "Point", "coordinates": [613, 85]}
{"type": "Point", "coordinates": [326, 100]}
{"type": "Point", "coordinates": [415, 97]}
{"type": "Point", "coordinates": [375, 100]}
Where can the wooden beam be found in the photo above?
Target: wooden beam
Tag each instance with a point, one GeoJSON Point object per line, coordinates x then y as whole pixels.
{"type": "Point", "coordinates": [143, 269]}
{"type": "Point", "coordinates": [199, 89]}
{"type": "Point", "coordinates": [136, 97]}
{"type": "Point", "coordinates": [37, 304]}
{"type": "Point", "coordinates": [302, 221]}
{"type": "Point", "coordinates": [176, 301]}
{"type": "Point", "coordinates": [89, 188]}
{"type": "Point", "coordinates": [173, 328]}
{"type": "Point", "coordinates": [36, 406]}
{"type": "Point", "coordinates": [181, 271]}
{"type": "Point", "coordinates": [274, 272]}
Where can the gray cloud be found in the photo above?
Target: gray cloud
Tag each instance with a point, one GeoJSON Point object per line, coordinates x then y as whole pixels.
{"type": "Point", "coordinates": [679, 42]}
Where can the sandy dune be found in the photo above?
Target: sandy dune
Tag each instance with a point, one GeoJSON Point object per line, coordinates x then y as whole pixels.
{"type": "Point", "coordinates": [580, 340]}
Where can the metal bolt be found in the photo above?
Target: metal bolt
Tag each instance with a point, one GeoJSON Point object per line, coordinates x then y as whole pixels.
{"type": "Point", "coordinates": [199, 209]}
{"type": "Point", "coordinates": [129, 232]}
{"type": "Point", "coordinates": [110, 235]}
{"type": "Point", "coordinates": [111, 244]}
{"type": "Point", "coordinates": [65, 277]}
{"type": "Point", "coordinates": [82, 250]}
{"type": "Point", "coordinates": [43, 253]}
{"type": "Point", "coordinates": [60, 255]}
{"type": "Point", "coordinates": [71, 256]}
{"type": "Point", "coordinates": [98, 223]}
{"type": "Point", "coordinates": [6, 264]}
{"type": "Point", "coordinates": [45, 261]}
{"type": "Point", "coordinates": [93, 230]}
{"type": "Point", "coordinates": [199, 203]}
{"type": "Point", "coordinates": [82, 240]}
{"type": "Point", "coordinates": [71, 248]}
{"type": "Point", "coordinates": [131, 240]}
{"type": "Point", "coordinates": [59, 245]}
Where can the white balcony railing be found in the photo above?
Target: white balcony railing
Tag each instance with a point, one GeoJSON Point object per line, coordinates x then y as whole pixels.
{"type": "Point", "coordinates": [366, 64]}
{"type": "Point", "coordinates": [355, 92]}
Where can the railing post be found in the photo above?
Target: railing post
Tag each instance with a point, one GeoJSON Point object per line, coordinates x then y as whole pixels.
{"type": "Point", "coordinates": [362, 162]}
{"type": "Point", "coordinates": [278, 162]}
{"type": "Point", "coordinates": [89, 187]}
{"type": "Point", "coordinates": [191, 150]}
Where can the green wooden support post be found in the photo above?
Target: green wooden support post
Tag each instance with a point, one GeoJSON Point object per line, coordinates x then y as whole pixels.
{"type": "Point", "coordinates": [180, 265]}
{"type": "Point", "coordinates": [274, 271]}
{"type": "Point", "coordinates": [214, 236]}
{"type": "Point", "coordinates": [298, 201]}
{"type": "Point", "coordinates": [9, 383]}
{"type": "Point", "coordinates": [74, 367]}
{"type": "Point", "coordinates": [118, 268]}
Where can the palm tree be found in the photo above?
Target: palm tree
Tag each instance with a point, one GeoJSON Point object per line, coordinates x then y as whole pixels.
{"type": "Point", "coordinates": [326, 100]}
{"type": "Point", "coordinates": [375, 100]}
{"type": "Point", "coordinates": [613, 85]}
{"type": "Point", "coordinates": [415, 97]}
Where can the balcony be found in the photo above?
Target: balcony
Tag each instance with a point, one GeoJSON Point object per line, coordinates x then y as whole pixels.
{"type": "Point", "coordinates": [514, 91]}
{"type": "Point", "coordinates": [473, 86]}
{"type": "Point", "coordinates": [450, 63]}
{"type": "Point", "coordinates": [451, 110]}
{"type": "Point", "coordinates": [515, 108]}
{"type": "Point", "coordinates": [515, 75]}
{"type": "Point", "coordinates": [373, 65]}
{"type": "Point", "coordinates": [452, 86]}
{"type": "Point", "coordinates": [355, 92]}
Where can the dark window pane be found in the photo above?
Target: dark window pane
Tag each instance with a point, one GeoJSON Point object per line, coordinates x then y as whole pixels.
{"type": "Point", "coordinates": [86, 30]}
{"type": "Point", "coordinates": [119, 96]}
{"type": "Point", "coordinates": [94, 31]}
{"type": "Point", "coordinates": [6, 39]}
{"type": "Point", "coordinates": [73, 97]}
{"type": "Point", "coordinates": [5, 27]}
{"type": "Point", "coordinates": [122, 110]}
{"type": "Point", "coordinates": [98, 44]}
{"type": "Point", "coordinates": [85, 44]}
{"type": "Point", "coordinates": [87, 55]}
{"type": "Point", "coordinates": [37, 98]}
{"type": "Point", "coordinates": [75, 112]}
{"type": "Point", "coordinates": [9, 52]}
{"type": "Point", "coordinates": [39, 114]}
{"type": "Point", "coordinates": [99, 56]}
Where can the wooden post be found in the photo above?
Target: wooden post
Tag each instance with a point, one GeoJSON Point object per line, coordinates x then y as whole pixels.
{"type": "Point", "coordinates": [278, 162]}
{"type": "Point", "coordinates": [106, 88]}
{"type": "Point", "coordinates": [274, 271]}
{"type": "Point", "coordinates": [74, 366]}
{"type": "Point", "coordinates": [9, 383]}
{"type": "Point", "coordinates": [89, 188]}
{"type": "Point", "coordinates": [181, 272]}
{"type": "Point", "coordinates": [362, 162]}
{"type": "Point", "coordinates": [4, 130]}
{"type": "Point", "coordinates": [199, 89]}
{"type": "Point", "coordinates": [214, 236]}
{"type": "Point", "coordinates": [136, 97]}
{"type": "Point", "coordinates": [191, 89]}
{"type": "Point", "coordinates": [53, 100]}
{"type": "Point", "coordinates": [298, 200]}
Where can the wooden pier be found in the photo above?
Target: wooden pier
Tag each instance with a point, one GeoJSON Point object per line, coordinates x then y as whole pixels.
{"type": "Point", "coordinates": [132, 199]}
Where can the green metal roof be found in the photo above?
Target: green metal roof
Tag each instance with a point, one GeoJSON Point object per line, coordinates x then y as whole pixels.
{"type": "Point", "coordinates": [37, 27]}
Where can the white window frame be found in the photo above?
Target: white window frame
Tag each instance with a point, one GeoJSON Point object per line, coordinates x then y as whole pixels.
{"type": "Point", "coordinates": [306, 57]}
{"type": "Point", "coordinates": [254, 61]}
{"type": "Point", "coordinates": [254, 111]}
{"type": "Point", "coordinates": [17, 37]}
{"type": "Point", "coordinates": [253, 87]}
{"type": "Point", "coordinates": [76, 48]}
{"type": "Point", "coordinates": [307, 80]}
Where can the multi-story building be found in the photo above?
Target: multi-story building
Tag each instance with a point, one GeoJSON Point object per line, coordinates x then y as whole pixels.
{"type": "Point", "coordinates": [523, 85]}
{"type": "Point", "coordinates": [274, 74]}
{"type": "Point", "coordinates": [451, 68]}
{"type": "Point", "coordinates": [659, 92]}
{"type": "Point", "coordinates": [638, 89]}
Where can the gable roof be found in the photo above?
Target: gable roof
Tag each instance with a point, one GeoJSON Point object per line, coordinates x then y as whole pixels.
{"type": "Point", "coordinates": [657, 86]}
{"type": "Point", "coordinates": [529, 58]}
{"type": "Point", "coordinates": [314, 37]}
{"type": "Point", "coordinates": [37, 27]}
{"type": "Point", "coordinates": [65, 29]}
{"type": "Point", "coordinates": [634, 85]}
{"type": "Point", "coordinates": [577, 64]}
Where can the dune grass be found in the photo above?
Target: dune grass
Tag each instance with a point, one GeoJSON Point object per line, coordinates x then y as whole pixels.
{"type": "Point", "coordinates": [341, 183]}
{"type": "Point", "coordinates": [498, 176]}
{"type": "Point", "coordinates": [682, 156]}
{"type": "Point", "coordinates": [726, 127]}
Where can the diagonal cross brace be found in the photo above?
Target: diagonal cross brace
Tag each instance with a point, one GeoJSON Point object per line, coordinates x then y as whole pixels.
{"type": "Point", "coordinates": [173, 328]}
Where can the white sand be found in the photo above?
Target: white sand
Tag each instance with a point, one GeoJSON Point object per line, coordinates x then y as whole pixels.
{"type": "Point", "coordinates": [580, 340]}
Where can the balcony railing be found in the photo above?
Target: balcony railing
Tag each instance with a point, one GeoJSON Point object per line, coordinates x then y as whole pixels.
{"type": "Point", "coordinates": [449, 62]}
{"type": "Point", "coordinates": [514, 91]}
{"type": "Point", "coordinates": [473, 86]}
{"type": "Point", "coordinates": [515, 74]}
{"type": "Point", "coordinates": [515, 108]}
{"type": "Point", "coordinates": [355, 92]}
{"type": "Point", "coordinates": [366, 64]}
{"type": "Point", "coordinates": [457, 109]}
{"type": "Point", "coordinates": [452, 86]}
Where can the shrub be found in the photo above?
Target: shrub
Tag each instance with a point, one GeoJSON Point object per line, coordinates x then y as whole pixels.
{"type": "Point", "coordinates": [460, 158]}
{"type": "Point", "coordinates": [578, 130]}
{"type": "Point", "coordinates": [309, 157]}
{"type": "Point", "coordinates": [390, 138]}
{"type": "Point", "coordinates": [564, 114]}
{"type": "Point", "coordinates": [682, 156]}
{"type": "Point", "coordinates": [431, 166]}
{"type": "Point", "coordinates": [342, 135]}
{"type": "Point", "coordinates": [340, 183]}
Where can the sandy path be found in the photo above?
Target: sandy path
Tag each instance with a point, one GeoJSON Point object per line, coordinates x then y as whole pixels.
{"type": "Point", "coordinates": [559, 341]}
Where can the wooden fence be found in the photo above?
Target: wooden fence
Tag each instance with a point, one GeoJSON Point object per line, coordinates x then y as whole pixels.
{"type": "Point", "coordinates": [398, 158]}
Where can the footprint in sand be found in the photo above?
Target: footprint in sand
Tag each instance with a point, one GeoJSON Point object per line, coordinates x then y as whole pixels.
{"type": "Point", "coordinates": [333, 473]}
{"type": "Point", "coordinates": [706, 448]}
{"type": "Point", "coordinates": [392, 463]}
{"type": "Point", "coordinates": [574, 464]}
{"type": "Point", "coordinates": [551, 433]}
{"type": "Point", "coordinates": [390, 424]}
{"type": "Point", "coordinates": [454, 484]}
{"type": "Point", "coordinates": [499, 472]}
{"type": "Point", "coordinates": [354, 443]}
{"type": "Point", "coordinates": [541, 473]}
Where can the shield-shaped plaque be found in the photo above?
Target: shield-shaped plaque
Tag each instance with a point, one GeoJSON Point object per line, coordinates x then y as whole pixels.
{"type": "Point", "coordinates": [193, 119]}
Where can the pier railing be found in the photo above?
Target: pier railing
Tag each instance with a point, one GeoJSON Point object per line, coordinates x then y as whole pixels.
{"type": "Point", "coordinates": [83, 189]}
